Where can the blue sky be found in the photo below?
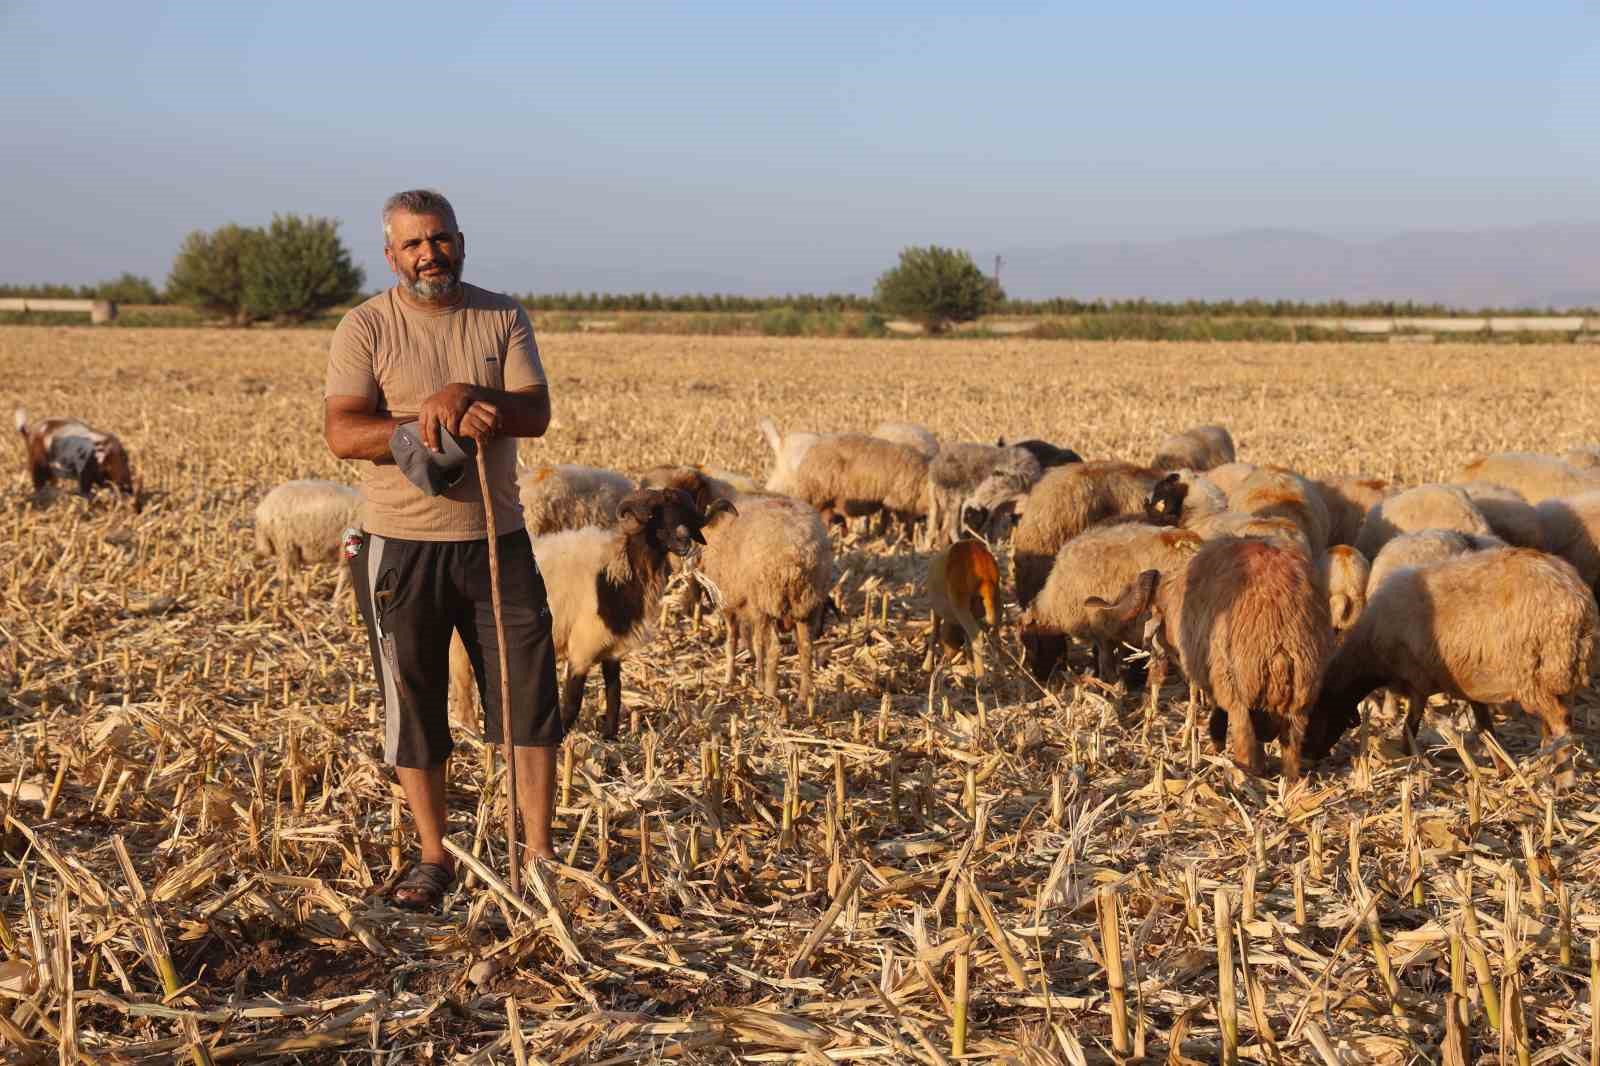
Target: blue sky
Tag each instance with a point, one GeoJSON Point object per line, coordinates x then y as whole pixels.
{"type": "Point", "coordinates": [759, 147]}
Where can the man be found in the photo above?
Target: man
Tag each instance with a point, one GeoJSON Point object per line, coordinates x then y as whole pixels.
{"type": "Point", "coordinates": [448, 355]}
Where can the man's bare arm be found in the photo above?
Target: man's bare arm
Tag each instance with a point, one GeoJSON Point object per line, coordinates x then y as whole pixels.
{"type": "Point", "coordinates": [479, 412]}
{"type": "Point", "coordinates": [354, 430]}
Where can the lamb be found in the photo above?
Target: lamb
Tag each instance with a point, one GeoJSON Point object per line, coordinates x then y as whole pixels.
{"type": "Point", "coordinates": [1198, 448]}
{"type": "Point", "coordinates": [1537, 477]}
{"type": "Point", "coordinates": [771, 564]}
{"type": "Point", "coordinates": [1571, 529]}
{"type": "Point", "coordinates": [604, 585]}
{"type": "Point", "coordinates": [970, 483]}
{"type": "Point", "coordinates": [1248, 620]}
{"type": "Point", "coordinates": [68, 448]}
{"type": "Point", "coordinates": [910, 434]}
{"type": "Point", "coordinates": [1272, 492]}
{"type": "Point", "coordinates": [1422, 507]}
{"type": "Point", "coordinates": [1348, 499]}
{"type": "Point", "coordinates": [852, 474]}
{"type": "Point", "coordinates": [1065, 502]}
{"type": "Point", "coordinates": [1423, 547]}
{"type": "Point", "coordinates": [1344, 572]}
{"type": "Point", "coordinates": [1511, 517]}
{"type": "Point", "coordinates": [1098, 562]}
{"type": "Point", "coordinates": [302, 522]}
{"type": "Point", "coordinates": [568, 496]}
{"type": "Point", "coordinates": [1487, 627]}
{"type": "Point", "coordinates": [963, 598]}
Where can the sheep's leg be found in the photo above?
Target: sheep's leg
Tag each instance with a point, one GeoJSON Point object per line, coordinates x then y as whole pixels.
{"type": "Point", "coordinates": [572, 697]}
{"type": "Point", "coordinates": [803, 651]}
{"type": "Point", "coordinates": [732, 622]}
{"type": "Point", "coordinates": [1154, 679]}
{"type": "Point", "coordinates": [1292, 740]}
{"type": "Point", "coordinates": [1243, 746]}
{"type": "Point", "coordinates": [975, 646]}
{"type": "Point", "coordinates": [1483, 719]}
{"type": "Point", "coordinates": [1556, 719]}
{"type": "Point", "coordinates": [1415, 703]}
{"type": "Point", "coordinates": [770, 665]}
{"type": "Point", "coordinates": [611, 673]}
{"type": "Point", "coordinates": [935, 624]}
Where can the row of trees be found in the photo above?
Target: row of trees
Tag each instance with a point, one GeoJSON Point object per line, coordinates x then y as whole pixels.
{"type": "Point", "coordinates": [287, 271]}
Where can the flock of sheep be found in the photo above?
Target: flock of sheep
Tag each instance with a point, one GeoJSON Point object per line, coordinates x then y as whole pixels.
{"type": "Point", "coordinates": [1284, 600]}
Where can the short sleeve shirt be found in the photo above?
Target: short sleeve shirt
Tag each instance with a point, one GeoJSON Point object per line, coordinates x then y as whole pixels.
{"type": "Point", "coordinates": [395, 356]}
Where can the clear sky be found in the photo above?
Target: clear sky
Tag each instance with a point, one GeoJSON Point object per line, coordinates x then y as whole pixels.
{"type": "Point", "coordinates": [770, 147]}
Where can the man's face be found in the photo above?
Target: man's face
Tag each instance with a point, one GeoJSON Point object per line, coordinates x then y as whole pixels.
{"type": "Point", "coordinates": [426, 253]}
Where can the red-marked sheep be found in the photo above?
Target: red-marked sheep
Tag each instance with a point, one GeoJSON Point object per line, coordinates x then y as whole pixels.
{"type": "Point", "coordinates": [1272, 492]}
{"type": "Point", "coordinates": [963, 598]}
{"type": "Point", "coordinates": [1345, 573]}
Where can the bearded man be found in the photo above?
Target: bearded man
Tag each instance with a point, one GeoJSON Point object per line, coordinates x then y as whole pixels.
{"type": "Point", "coordinates": [450, 357]}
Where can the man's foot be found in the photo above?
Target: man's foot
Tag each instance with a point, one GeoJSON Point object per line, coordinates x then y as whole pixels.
{"type": "Point", "coordinates": [423, 887]}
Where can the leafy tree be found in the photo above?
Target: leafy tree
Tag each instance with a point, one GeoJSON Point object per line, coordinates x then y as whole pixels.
{"type": "Point", "coordinates": [208, 273]}
{"type": "Point", "coordinates": [297, 267]}
{"type": "Point", "coordinates": [936, 287]}
{"type": "Point", "coordinates": [128, 289]}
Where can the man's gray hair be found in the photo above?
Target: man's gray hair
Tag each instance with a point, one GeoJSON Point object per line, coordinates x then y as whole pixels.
{"type": "Point", "coordinates": [418, 202]}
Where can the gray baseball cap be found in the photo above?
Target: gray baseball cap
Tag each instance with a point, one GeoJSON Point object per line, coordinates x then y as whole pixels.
{"type": "Point", "coordinates": [432, 472]}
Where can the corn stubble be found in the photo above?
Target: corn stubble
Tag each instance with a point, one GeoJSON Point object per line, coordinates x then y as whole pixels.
{"type": "Point", "coordinates": [198, 829]}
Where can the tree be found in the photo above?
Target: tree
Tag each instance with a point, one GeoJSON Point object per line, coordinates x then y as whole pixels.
{"type": "Point", "coordinates": [128, 289]}
{"type": "Point", "coordinates": [207, 271]}
{"type": "Point", "coordinates": [297, 267]}
{"type": "Point", "coordinates": [936, 287]}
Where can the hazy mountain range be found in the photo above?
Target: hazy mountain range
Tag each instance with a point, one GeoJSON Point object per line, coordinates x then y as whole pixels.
{"type": "Point", "coordinates": [1552, 265]}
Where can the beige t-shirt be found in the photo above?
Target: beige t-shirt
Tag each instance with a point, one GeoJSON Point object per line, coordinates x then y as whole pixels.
{"type": "Point", "coordinates": [397, 356]}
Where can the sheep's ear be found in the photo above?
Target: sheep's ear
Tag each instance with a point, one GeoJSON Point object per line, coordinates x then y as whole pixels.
{"type": "Point", "coordinates": [720, 506]}
{"type": "Point", "coordinates": [633, 513]}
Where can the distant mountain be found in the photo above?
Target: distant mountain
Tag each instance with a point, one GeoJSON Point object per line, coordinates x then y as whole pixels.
{"type": "Point", "coordinates": [1553, 265]}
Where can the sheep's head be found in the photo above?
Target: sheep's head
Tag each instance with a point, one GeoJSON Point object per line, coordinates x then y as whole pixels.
{"type": "Point", "coordinates": [114, 465]}
{"type": "Point", "coordinates": [1164, 506]}
{"type": "Point", "coordinates": [667, 519]}
{"type": "Point", "coordinates": [690, 479]}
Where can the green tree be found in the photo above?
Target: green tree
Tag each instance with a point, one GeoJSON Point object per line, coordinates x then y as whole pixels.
{"type": "Point", "coordinates": [207, 272]}
{"type": "Point", "coordinates": [128, 289]}
{"type": "Point", "coordinates": [936, 287]}
{"type": "Point", "coordinates": [297, 267]}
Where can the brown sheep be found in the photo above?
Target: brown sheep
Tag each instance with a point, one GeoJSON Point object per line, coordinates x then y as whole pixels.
{"type": "Point", "coordinates": [1272, 492]}
{"type": "Point", "coordinates": [1488, 627]}
{"type": "Point", "coordinates": [963, 599]}
{"type": "Point", "coordinates": [1511, 517]}
{"type": "Point", "coordinates": [1416, 509]}
{"type": "Point", "coordinates": [1066, 501]}
{"type": "Point", "coordinates": [1345, 572]}
{"type": "Point", "coordinates": [852, 474]}
{"type": "Point", "coordinates": [1571, 529]}
{"type": "Point", "coordinates": [1423, 547]}
{"type": "Point", "coordinates": [1248, 621]}
{"type": "Point", "coordinates": [1348, 499]}
{"type": "Point", "coordinates": [1198, 448]}
{"type": "Point", "coordinates": [1537, 477]}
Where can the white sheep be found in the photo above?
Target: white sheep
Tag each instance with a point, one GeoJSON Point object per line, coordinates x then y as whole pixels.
{"type": "Point", "coordinates": [558, 496]}
{"type": "Point", "coordinates": [300, 522]}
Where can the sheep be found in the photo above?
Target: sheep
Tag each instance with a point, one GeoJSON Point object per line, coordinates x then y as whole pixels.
{"type": "Point", "coordinates": [1571, 529]}
{"type": "Point", "coordinates": [852, 474]}
{"type": "Point", "coordinates": [1230, 476]}
{"type": "Point", "coordinates": [1348, 499]}
{"type": "Point", "coordinates": [1049, 455]}
{"type": "Point", "coordinates": [1098, 562]}
{"type": "Point", "coordinates": [1584, 457]}
{"type": "Point", "coordinates": [557, 497]}
{"type": "Point", "coordinates": [1192, 501]}
{"type": "Point", "coordinates": [1272, 492]}
{"type": "Point", "coordinates": [1065, 502]}
{"type": "Point", "coordinates": [771, 564]}
{"type": "Point", "coordinates": [68, 448]}
{"type": "Point", "coordinates": [1248, 620]}
{"type": "Point", "coordinates": [970, 482]}
{"type": "Point", "coordinates": [1537, 477]}
{"type": "Point", "coordinates": [788, 451]}
{"type": "Point", "coordinates": [1423, 547]}
{"type": "Point", "coordinates": [1511, 517]}
{"type": "Point", "coordinates": [963, 597]}
{"type": "Point", "coordinates": [1198, 448]}
{"type": "Point", "coordinates": [1487, 627]}
{"type": "Point", "coordinates": [1345, 573]}
{"type": "Point", "coordinates": [302, 522]}
{"type": "Point", "coordinates": [909, 434]}
{"type": "Point", "coordinates": [1422, 507]}
{"type": "Point", "coordinates": [604, 585]}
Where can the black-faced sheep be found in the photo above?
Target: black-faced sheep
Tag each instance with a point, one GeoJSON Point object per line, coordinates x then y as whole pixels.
{"type": "Point", "coordinates": [68, 448]}
{"type": "Point", "coordinates": [771, 564]}
{"type": "Point", "coordinates": [1100, 561]}
{"type": "Point", "coordinates": [1488, 627]}
{"type": "Point", "coordinates": [1536, 477]}
{"type": "Point", "coordinates": [1199, 448]}
{"type": "Point", "coordinates": [963, 599]}
{"type": "Point", "coordinates": [563, 496]}
{"type": "Point", "coordinates": [1248, 621]}
{"type": "Point", "coordinates": [1571, 529]}
{"type": "Point", "coordinates": [301, 522]}
{"type": "Point", "coordinates": [1416, 509]}
{"type": "Point", "coordinates": [910, 434]}
{"type": "Point", "coordinates": [1065, 502]}
{"type": "Point", "coordinates": [1348, 499]}
{"type": "Point", "coordinates": [1511, 517]}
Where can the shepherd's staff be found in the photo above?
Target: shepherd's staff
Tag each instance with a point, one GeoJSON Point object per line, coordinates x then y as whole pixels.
{"type": "Point", "coordinates": [505, 677]}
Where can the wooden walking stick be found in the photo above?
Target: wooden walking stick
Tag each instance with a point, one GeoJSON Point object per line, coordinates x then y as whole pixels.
{"type": "Point", "coordinates": [505, 677]}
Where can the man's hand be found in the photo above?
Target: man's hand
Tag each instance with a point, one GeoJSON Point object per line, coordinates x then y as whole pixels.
{"type": "Point", "coordinates": [458, 408]}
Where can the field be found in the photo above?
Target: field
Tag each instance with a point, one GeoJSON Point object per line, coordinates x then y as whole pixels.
{"type": "Point", "coordinates": [200, 826]}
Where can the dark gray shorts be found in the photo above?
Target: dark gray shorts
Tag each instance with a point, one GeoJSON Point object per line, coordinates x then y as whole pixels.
{"type": "Point", "coordinates": [413, 594]}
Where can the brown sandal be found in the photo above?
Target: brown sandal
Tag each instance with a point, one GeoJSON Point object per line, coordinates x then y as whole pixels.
{"type": "Point", "coordinates": [423, 887]}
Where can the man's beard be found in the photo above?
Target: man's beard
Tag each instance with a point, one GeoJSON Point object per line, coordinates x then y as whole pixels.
{"type": "Point", "coordinates": [435, 287]}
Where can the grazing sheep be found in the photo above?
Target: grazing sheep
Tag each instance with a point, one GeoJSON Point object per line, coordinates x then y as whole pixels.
{"type": "Point", "coordinates": [1511, 517]}
{"type": "Point", "coordinates": [1344, 572]}
{"type": "Point", "coordinates": [1584, 457]}
{"type": "Point", "coordinates": [68, 448]}
{"type": "Point", "coordinates": [1272, 492]}
{"type": "Point", "coordinates": [1423, 547]}
{"type": "Point", "coordinates": [1049, 455]}
{"type": "Point", "coordinates": [963, 598]}
{"type": "Point", "coordinates": [605, 584]}
{"type": "Point", "coordinates": [557, 497]}
{"type": "Point", "coordinates": [788, 452]}
{"type": "Point", "coordinates": [1487, 627]}
{"type": "Point", "coordinates": [1229, 476]}
{"type": "Point", "coordinates": [771, 564]}
{"type": "Point", "coordinates": [301, 522]}
{"type": "Point", "coordinates": [1198, 448]}
{"type": "Point", "coordinates": [1571, 529]}
{"type": "Point", "coordinates": [1248, 621]}
{"type": "Point", "coordinates": [1101, 561]}
{"type": "Point", "coordinates": [1537, 477]}
{"type": "Point", "coordinates": [910, 434]}
{"type": "Point", "coordinates": [852, 474]}
{"type": "Point", "coordinates": [969, 483]}
{"type": "Point", "coordinates": [1416, 509]}
{"type": "Point", "coordinates": [1348, 499]}
{"type": "Point", "coordinates": [1065, 502]}
{"type": "Point", "coordinates": [1184, 498]}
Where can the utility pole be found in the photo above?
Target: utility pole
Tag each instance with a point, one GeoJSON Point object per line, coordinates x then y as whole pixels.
{"type": "Point", "coordinates": [997, 261]}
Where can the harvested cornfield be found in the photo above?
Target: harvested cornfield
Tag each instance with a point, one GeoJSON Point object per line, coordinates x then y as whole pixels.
{"type": "Point", "coordinates": [198, 830]}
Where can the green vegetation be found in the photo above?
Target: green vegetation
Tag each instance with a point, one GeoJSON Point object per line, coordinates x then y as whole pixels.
{"type": "Point", "coordinates": [209, 272]}
{"type": "Point", "coordinates": [936, 287]}
{"type": "Point", "coordinates": [295, 268]}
